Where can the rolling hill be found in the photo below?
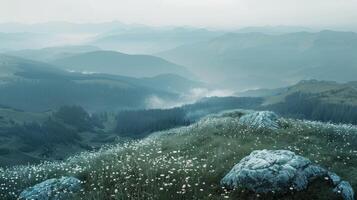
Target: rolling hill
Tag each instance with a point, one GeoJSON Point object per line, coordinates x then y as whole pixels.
{"type": "Point", "coordinates": [127, 38]}
{"type": "Point", "coordinates": [11, 145]}
{"type": "Point", "coordinates": [328, 91]}
{"type": "Point", "coordinates": [10, 116]}
{"type": "Point", "coordinates": [35, 86]}
{"type": "Point", "coordinates": [260, 92]}
{"type": "Point", "coordinates": [317, 100]}
{"type": "Point", "coordinates": [149, 40]}
{"type": "Point", "coordinates": [23, 40]}
{"type": "Point", "coordinates": [111, 62]}
{"type": "Point", "coordinates": [257, 60]}
{"type": "Point", "coordinates": [274, 30]}
{"type": "Point", "coordinates": [311, 99]}
{"type": "Point", "coordinates": [190, 162]}
{"type": "Point", "coordinates": [30, 137]}
{"type": "Point", "coordinates": [51, 53]}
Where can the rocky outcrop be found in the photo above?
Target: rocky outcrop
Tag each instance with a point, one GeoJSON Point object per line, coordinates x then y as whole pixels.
{"type": "Point", "coordinates": [280, 171]}
{"type": "Point", "coordinates": [52, 189]}
{"type": "Point", "coordinates": [261, 119]}
{"type": "Point", "coordinates": [345, 190]}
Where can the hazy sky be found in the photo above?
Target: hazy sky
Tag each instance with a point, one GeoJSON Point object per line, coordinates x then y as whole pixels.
{"type": "Point", "coordinates": [223, 13]}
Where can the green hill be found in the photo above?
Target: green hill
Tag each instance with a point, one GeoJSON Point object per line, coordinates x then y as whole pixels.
{"type": "Point", "coordinates": [31, 137]}
{"type": "Point", "coordinates": [327, 91]}
{"type": "Point", "coordinates": [10, 116]}
{"type": "Point", "coordinates": [36, 86]}
{"type": "Point", "coordinates": [59, 133]}
{"type": "Point", "coordinates": [189, 162]}
{"type": "Point", "coordinates": [312, 99]}
{"type": "Point", "coordinates": [111, 62]}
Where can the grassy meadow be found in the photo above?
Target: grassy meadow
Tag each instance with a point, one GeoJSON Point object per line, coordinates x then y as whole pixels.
{"type": "Point", "coordinates": [189, 162]}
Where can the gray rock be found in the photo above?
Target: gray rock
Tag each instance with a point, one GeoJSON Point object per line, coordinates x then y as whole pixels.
{"type": "Point", "coordinates": [52, 189]}
{"type": "Point", "coordinates": [334, 178]}
{"type": "Point", "coordinates": [345, 189]}
{"type": "Point", "coordinates": [261, 119]}
{"type": "Point", "coordinates": [279, 171]}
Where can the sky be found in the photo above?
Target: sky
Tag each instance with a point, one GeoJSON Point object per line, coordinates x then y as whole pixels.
{"type": "Point", "coordinates": [204, 13]}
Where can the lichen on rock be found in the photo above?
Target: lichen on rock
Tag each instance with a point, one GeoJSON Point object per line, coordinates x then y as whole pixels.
{"type": "Point", "coordinates": [52, 189]}
{"type": "Point", "coordinates": [261, 119]}
{"type": "Point", "coordinates": [280, 171]}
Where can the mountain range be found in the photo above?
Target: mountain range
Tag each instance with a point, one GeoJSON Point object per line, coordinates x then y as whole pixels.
{"type": "Point", "coordinates": [127, 38]}
{"type": "Point", "coordinates": [111, 62]}
{"type": "Point", "coordinates": [257, 60]}
{"type": "Point", "coordinates": [150, 40]}
{"type": "Point", "coordinates": [52, 53]}
{"type": "Point", "coordinates": [35, 86]}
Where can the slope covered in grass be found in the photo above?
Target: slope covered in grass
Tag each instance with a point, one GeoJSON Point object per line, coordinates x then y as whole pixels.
{"type": "Point", "coordinates": [111, 62]}
{"type": "Point", "coordinates": [326, 91]}
{"type": "Point", "coordinates": [63, 132]}
{"type": "Point", "coordinates": [35, 86]}
{"type": "Point", "coordinates": [189, 162]}
{"type": "Point", "coordinates": [326, 101]}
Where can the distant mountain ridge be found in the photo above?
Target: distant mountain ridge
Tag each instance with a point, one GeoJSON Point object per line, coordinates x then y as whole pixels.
{"type": "Point", "coordinates": [274, 29]}
{"type": "Point", "coordinates": [23, 40]}
{"type": "Point", "coordinates": [256, 60]}
{"type": "Point", "coordinates": [111, 62]}
{"type": "Point", "coordinates": [52, 53]}
{"type": "Point", "coordinates": [150, 40]}
{"type": "Point", "coordinates": [60, 27]}
{"type": "Point", "coordinates": [127, 38]}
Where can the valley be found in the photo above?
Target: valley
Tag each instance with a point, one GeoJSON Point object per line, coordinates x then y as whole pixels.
{"type": "Point", "coordinates": [112, 110]}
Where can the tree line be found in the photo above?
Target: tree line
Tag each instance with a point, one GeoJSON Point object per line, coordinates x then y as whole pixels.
{"type": "Point", "coordinates": [62, 126]}
{"type": "Point", "coordinates": [306, 106]}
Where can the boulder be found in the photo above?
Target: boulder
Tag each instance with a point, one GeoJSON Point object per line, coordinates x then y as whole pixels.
{"type": "Point", "coordinates": [261, 119]}
{"type": "Point", "coordinates": [280, 171]}
{"type": "Point", "coordinates": [345, 190]}
{"type": "Point", "coordinates": [52, 189]}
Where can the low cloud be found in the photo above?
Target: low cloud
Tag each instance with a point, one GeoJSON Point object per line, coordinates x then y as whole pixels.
{"type": "Point", "coordinates": [155, 102]}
